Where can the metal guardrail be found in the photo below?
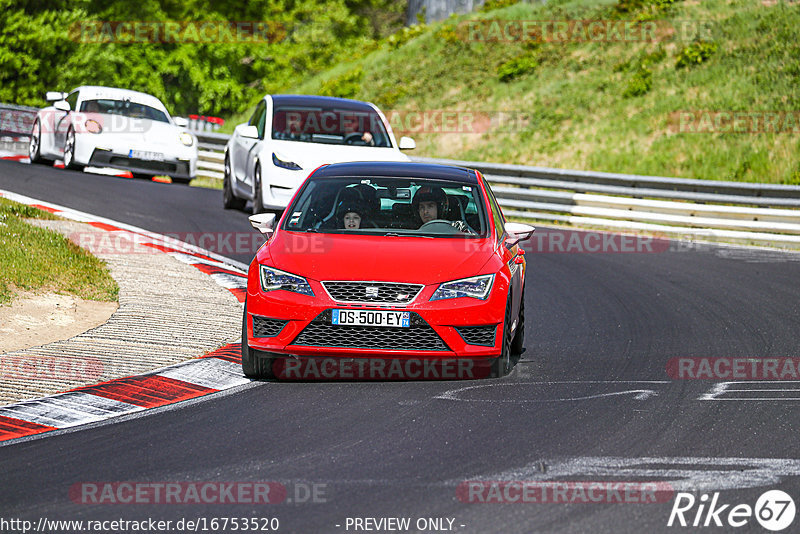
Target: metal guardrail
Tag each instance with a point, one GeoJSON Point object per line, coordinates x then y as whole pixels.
{"type": "Point", "coordinates": [705, 209]}
{"type": "Point", "coordinates": [766, 214]}
{"type": "Point", "coordinates": [16, 121]}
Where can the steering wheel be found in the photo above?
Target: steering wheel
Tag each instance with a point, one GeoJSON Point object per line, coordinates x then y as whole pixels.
{"type": "Point", "coordinates": [439, 225]}
{"type": "Point", "coordinates": [353, 138]}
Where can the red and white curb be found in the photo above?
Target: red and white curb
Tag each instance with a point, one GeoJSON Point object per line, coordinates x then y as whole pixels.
{"type": "Point", "coordinates": [214, 372]}
{"type": "Point", "coordinates": [23, 158]}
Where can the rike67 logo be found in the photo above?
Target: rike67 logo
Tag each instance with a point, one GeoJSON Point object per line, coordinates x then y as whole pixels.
{"type": "Point", "coordinates": [774, 510]}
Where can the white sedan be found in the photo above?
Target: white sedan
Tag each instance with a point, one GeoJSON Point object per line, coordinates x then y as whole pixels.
{"type": "Point", "coordinates": [107, 127]}
{"type": "Point", "coordinates": [288, 136]}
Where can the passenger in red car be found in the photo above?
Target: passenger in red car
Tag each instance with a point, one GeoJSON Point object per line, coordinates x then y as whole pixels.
{"type": "Point", "coordinates": [429, 204]}
{"type": "Point", "coordinates": [351, 215]}
{"type": "Point", "coordinates": [352, 220]}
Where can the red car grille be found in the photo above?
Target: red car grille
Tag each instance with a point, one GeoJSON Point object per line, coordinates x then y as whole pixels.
{"type": "Point", "coordinates": [478, 335]}
{"type": "Point", "coordinates": [418, 336]}
{"type": "Point", "coordinates": [267, 327]}
{"type": "Point", "coordinates": [372, 292]}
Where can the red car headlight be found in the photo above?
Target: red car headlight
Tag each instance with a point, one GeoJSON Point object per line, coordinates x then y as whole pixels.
{"type": "Point", "coordinates": [272, 279]}
{"type": "Point", "coordinates": [477, 287]}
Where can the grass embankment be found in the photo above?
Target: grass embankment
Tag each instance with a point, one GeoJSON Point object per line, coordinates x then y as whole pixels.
{"type": "Point", "coordinates": [36, 259]}
{"type": "Point", "coordinates": [604, 106]}
{"type": "Point", "coordinates": [208, 183]}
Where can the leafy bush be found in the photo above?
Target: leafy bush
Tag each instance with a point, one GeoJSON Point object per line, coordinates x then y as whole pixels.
{"type": "Point", "coordinates": [396, 40]}
{"type": "Point", "coordinates": [347, 85]}
{"type": "Point", "coordinates": [450, 34]}
{"type": "Point", "coordinates": [516, 67]}
{"type": "Point", "coordinates": [631, 6]}
{"type": "Point", "coordinates": [491, 5]}
{"type": "Point", "coordinates": [695, 53]}
{"type": "Point", "coordinates": [643, 59]}
{"type": "Point", "coordinates": [640, 83]}
{"type": "Point", "coordinates": [42, 48]}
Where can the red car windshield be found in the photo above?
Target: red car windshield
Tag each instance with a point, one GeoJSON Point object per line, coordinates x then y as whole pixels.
{"type": "Point", "coordinates": [389, 206]}
{"type": "Point", "coordinates": [330, 126]}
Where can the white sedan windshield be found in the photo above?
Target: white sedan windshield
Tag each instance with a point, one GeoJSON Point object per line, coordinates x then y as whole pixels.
{"type": "Point", "coordinates": [330, 126]}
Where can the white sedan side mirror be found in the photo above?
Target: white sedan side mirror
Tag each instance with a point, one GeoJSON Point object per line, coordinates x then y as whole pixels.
{"type": "Point", "coordinates": [518, 232]}
{"type": "Point", "coordinates": [263, 222]}
{"type": "Point", "coordinates": [407, 143]}
{"type": "Point", "coordinates": [54, 96]}
{"type": "Point", "coordinates": [182, 122]}
{"type": "Point", "coordinates": [61, 105]}
{"type": "Point", "coordinates": [248, 131]}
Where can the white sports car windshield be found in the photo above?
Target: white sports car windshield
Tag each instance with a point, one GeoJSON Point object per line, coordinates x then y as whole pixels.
{"type": "Point", "coordinates": [389, 206]}
{"type": "Point", "coordinates": [330, 126]}
{"type": "Point", "coordinates": [124, 108]}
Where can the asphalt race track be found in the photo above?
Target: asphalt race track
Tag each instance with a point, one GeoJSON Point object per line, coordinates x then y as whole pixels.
{"type": "Point", "coordinates": [590, 400]}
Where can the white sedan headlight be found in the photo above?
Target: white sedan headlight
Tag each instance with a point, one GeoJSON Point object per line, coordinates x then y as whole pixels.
{"type": "Point", "coordinates": [291, 165]}
{"type": "Point", "coordinates": [272, 279]}
{"type": "Point", "coordinates": [186, 138]}
{"type": "Point", "coordinates": [476, 287]}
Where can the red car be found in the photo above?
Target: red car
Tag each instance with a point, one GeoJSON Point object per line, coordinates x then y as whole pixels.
{"type": "Point", "coordinates": [402, 262]}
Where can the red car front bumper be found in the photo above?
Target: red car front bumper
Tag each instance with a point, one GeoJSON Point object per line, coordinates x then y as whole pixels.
{"type": "Point", "coordinates": [300, 325]}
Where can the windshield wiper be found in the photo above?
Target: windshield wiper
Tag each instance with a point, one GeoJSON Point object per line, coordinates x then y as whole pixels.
{"type": "Point", "coordinates": [395, 234]}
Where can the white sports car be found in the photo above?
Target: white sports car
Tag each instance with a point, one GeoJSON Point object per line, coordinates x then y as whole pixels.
{"type": "Point", "coordinates": [288, 136]}
{"type": "Point", "coordinates": [108, 127]}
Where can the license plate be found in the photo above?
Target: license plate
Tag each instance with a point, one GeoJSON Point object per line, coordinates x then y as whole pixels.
{"type": "Point", "coordinates": [145, 155]}
{"type": "Point", "coordinates": [371, 318]}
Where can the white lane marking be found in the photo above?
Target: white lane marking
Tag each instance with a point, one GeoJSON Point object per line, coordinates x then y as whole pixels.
{"type": "Point", "coordinates": [681, 473]}
{"type": "Point", "coordinates": [717, 391]}
{"type": "Point", "coordinates": [135, 414]}
{"type": "Point", "coordinates": [68, 409]}
{"type": "Point", "coordinates": [94, 404]}
{"type": "Point", "coordinates": [638, 394]}
{"type": "Point", "coordinates": [211, 373]}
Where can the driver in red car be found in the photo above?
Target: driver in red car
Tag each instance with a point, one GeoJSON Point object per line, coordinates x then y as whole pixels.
{"type": "Point", "coordinates": [430, 204]}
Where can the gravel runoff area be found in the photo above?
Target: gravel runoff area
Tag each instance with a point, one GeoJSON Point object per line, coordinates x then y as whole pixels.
{"type": "Point", "coordinates": [168, 312]}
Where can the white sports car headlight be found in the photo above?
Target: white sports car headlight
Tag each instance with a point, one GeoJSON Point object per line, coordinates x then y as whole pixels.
{"type": "Point", "coordinates": [476, 287]}
{"type": "Point", "coordinates": [272, 279]}
{"type": "Point", "coordinates": [291, 165]}
{"type": "Point", "coordinates": [186, 138]}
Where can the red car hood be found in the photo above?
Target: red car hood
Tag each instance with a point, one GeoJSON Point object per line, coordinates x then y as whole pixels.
{"type": "Point", "coordinates": [381, 258]}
